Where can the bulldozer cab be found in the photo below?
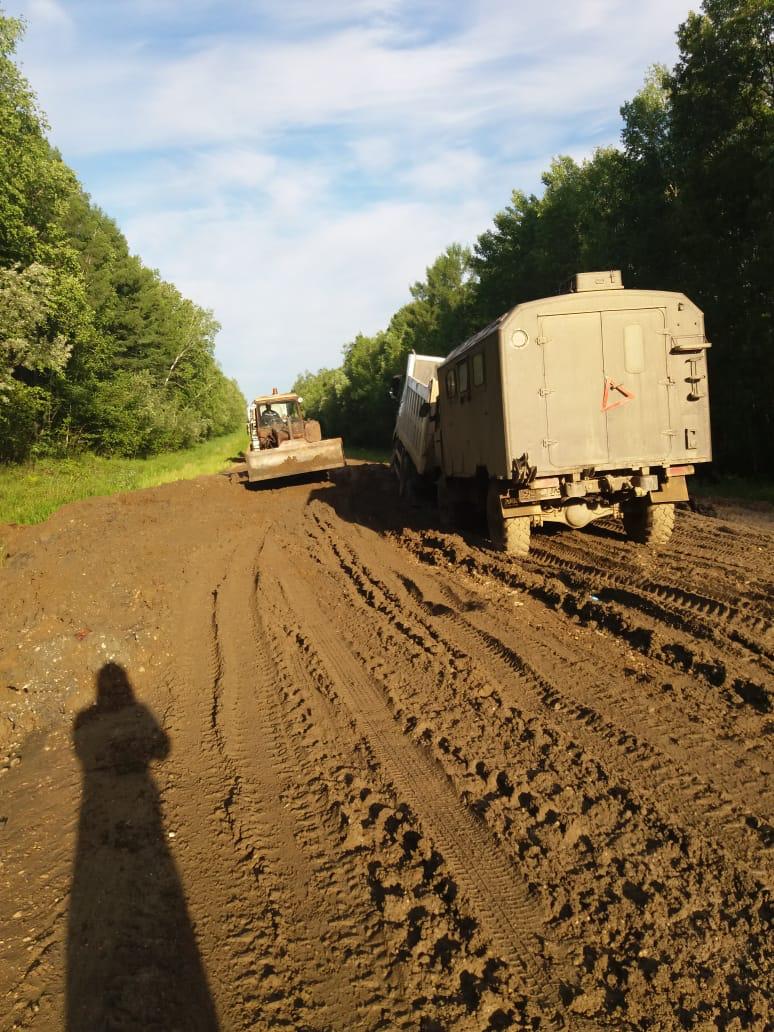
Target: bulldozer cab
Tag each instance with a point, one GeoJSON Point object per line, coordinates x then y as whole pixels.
{"type": "Point", "coordinates": [275, 418]}
{"type": "Point", "coordinates": [279, 413]}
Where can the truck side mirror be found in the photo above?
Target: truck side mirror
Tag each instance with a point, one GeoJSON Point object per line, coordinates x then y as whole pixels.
{"type": "Point", "coordinates": [396, 388]}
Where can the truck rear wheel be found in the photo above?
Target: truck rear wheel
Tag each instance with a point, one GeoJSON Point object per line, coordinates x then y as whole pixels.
{"type": "Point", "coordinates": [407, 479]}
{"type": "Point", "coordinates": [511, 536]}
{"type": "Point", "coordinates": [649, 524]}
{"type": "Point", "coordinates": [447, 503]}
{"type": "Point", "coordinates": [516, 535]}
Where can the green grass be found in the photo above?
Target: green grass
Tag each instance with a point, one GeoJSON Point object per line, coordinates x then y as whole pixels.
{"type": "Point", "coordinates": [30, 493]}
{"type": "Point", "coordinates": [367, 454]}
{"type": "Point", "coordinates": [742, 489]}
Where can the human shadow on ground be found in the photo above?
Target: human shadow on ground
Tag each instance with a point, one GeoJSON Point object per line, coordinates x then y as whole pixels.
{"type": "Point", "coordinates": [132, 958]}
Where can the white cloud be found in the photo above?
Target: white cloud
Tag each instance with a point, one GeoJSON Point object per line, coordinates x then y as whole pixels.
{"type": "Point", "coordinates": [48, 13]}
{"type": "Point", "coordinates": [447, 171]}
{"type": "Point", "coordinates": [375, 153]}
{"type": "Point", "coordinates": [506, 64]}
{"type": "Point", "coordinates": [241, 178]}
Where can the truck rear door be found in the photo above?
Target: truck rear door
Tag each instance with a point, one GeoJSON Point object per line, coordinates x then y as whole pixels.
{"type": "Point", "coordinates": [637, 381]}
{"type": "Point", "coordinates": [573, 361]}
{"type": "Point", "coordinates": [606, 388]}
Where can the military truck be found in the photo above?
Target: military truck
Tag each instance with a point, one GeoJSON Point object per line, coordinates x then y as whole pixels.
{"type": "Point", "coordinates": [567, 409]}
{"type": "Point", "coordinates": [283, 443]}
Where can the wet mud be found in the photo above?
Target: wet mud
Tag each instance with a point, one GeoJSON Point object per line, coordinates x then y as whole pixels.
{"type": "Point", "coordinates": [296, 758]}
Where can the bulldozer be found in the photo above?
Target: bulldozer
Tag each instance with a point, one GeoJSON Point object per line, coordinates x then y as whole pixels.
{"type": "Point", "coordinates": [283, 443]}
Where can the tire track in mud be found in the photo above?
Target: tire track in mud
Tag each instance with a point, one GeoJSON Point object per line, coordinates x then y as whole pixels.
{"type": "Point", "coordinates": [315, 946]}
{"type": "Point", "coordinates": [549, 690]}
{"type": "Point", "coordinates": [441, 968]}
{"type": "Point", "coordinates": [647, 781]}
{"type": "Point", "coordinates": [740, 680]}
{"type": "Point", "coordinates": [698, 615]}
{"type": "Point", "coordinates": [723, 578]}
{"type": "Point", "coordinates": [671, 743]}
{"type": "Point", "coordinates": [201, 791]}
{"type": "Point", "coordinates": [276, 817]}
{"type": "Point", "coordinates": [270, 956]}
{"type": "Point", "coordinates": [661, 754]}
{"type": "Point", "coordinates": [698, 542]}
{"type": "Point", "coordinates": [674, 660]}
{"type": "Point", "coordinates": [728, 562]}
{"type": "Point", "coordinates": [674, 760]}
{"type": "Point", "coordinates": [332, 913]}
{"type": "Point", "coordinates": [433, 942]}
{"type": "Point", "coordinates": [508, 912]}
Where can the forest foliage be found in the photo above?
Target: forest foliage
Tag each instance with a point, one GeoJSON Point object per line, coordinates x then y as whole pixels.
{"type": "Point", "coordinates": [96, 350]}
{"type": "Point", "coordinates": [685, 203]}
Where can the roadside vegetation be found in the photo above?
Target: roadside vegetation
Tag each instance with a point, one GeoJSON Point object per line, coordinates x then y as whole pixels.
{"type": "Point", "coordinates": [686, 203]}
{"type": "Point", "coordinates": [743, 490]}
{"type": "Point", "coordinates": [97, 352]}
{"type": "Point", "coordinates": [30, 493]}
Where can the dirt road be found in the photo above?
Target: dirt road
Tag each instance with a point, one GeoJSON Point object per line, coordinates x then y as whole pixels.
{"type": "Point", "coordinates": [297, 759]}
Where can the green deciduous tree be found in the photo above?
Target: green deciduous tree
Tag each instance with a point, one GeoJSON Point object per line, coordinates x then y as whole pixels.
{"type": "Point", "coordinates": [96, 350]}
{"type": "Point", "coordinates": [27, 303]}
{"type": "Point", "coordinates": [722, 141]}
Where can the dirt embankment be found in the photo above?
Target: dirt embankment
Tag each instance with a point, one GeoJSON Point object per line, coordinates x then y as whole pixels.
{"type": "Point", "coordinates": [297, 759]}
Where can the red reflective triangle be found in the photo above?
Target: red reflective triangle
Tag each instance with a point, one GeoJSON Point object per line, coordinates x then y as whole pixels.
{"type": "Point", "coordinates": [610, 385]}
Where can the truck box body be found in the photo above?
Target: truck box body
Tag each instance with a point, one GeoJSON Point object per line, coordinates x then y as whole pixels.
{"type": "Point", "coordinates": [568, 409]}
{"type": "Point", "coordinates": [603, 379]}
{"type": "Point", "coordinates": [413, 426]}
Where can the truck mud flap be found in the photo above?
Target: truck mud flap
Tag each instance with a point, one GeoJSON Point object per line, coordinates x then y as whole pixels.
{"type": "Point", "coordinates": [295, 459]}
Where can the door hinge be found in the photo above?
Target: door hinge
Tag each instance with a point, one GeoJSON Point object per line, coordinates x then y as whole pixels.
{"type": "Point", "coordinates": [541, 340]}
{"type": "Point", "coordinates": [548, 444]}
{"type": "Point", "coordinates": [545, 391]}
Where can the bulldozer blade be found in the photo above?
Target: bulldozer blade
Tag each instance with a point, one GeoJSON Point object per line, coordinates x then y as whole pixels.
{"type": "Point", "coordinates": [291, 460]}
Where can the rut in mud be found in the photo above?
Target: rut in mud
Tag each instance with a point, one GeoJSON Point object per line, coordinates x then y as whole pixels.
{"type": "Point", "coordinates": [365, 774]}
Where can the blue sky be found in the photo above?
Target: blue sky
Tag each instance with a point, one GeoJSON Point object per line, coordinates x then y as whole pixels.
{"type": "Point", "coordinates": [296, 165]}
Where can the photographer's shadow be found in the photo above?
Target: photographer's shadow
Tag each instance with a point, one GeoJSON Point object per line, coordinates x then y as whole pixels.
{"type": "Point", "coordinates": [132, 958]}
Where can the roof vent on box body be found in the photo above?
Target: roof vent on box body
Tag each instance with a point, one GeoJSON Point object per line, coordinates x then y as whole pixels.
{"type": "Point", "coordinates": [608, 280]}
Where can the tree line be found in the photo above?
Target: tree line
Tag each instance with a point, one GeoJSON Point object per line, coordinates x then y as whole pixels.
{"type": "Point", "coordinates": [684, 203]}
{"type": "Point", "coordinates": [96, 350]}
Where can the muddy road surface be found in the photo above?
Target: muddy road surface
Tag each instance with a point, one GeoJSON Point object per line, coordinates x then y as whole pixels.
{"type": "Point", "coordinates": [294, 758]}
